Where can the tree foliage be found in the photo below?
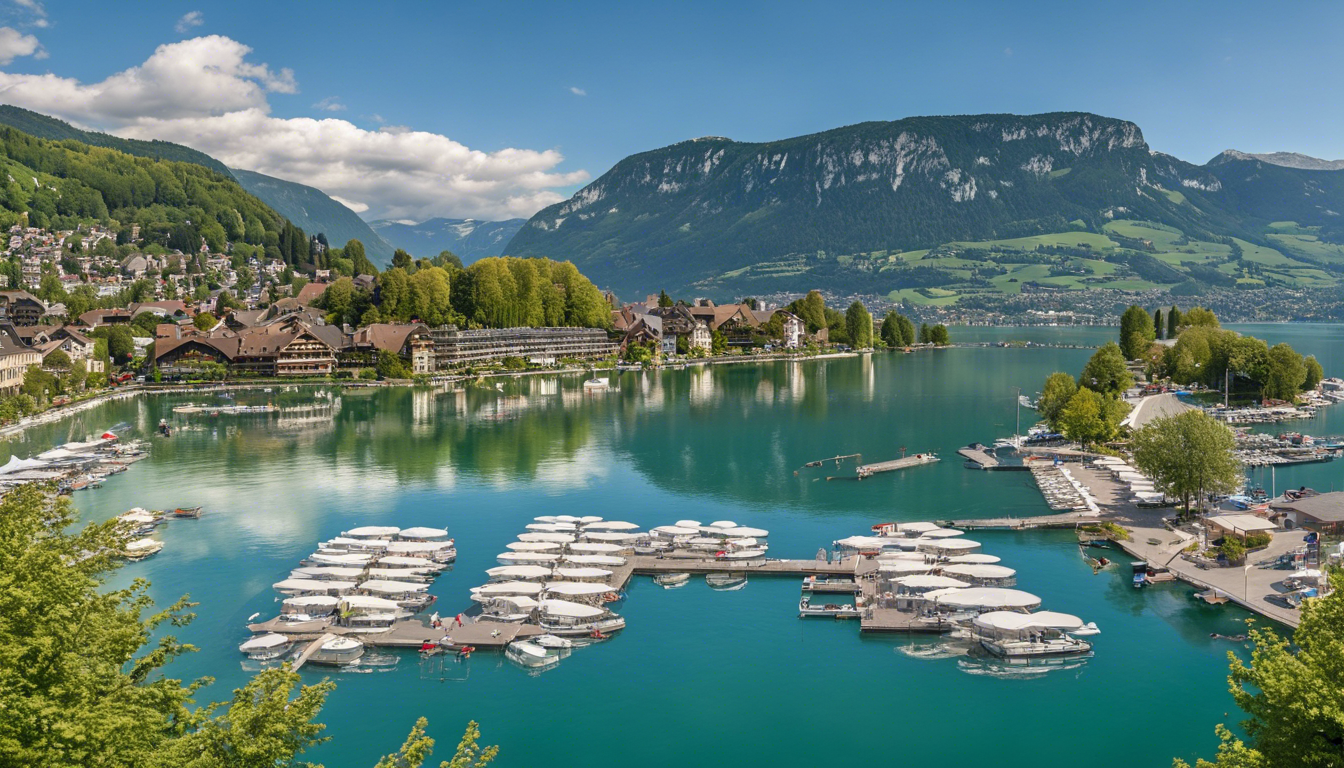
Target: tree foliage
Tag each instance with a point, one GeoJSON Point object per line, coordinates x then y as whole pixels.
{"type": "Point", "coordinates": [1187, 456]}
{"type": "Point", "coordinates": [859, 326]}
{"type": "Point", "coordinates": [1136, 330]}
{"type": "Point", "coordinates": [1105, 372]}
{"type": "Point", "coordinates": [1090, 417]}
{"type": "Point", "coordinates": [1058, 390]}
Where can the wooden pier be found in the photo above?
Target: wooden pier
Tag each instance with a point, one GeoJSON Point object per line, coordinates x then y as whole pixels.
{"type": "Point", "coordinates": [651, 566]}
{"type": "Point", "coordinates": [308, 652]}
{"type": "Point", "coordinates": [868, 470]}
{"type": "Point", "coordinates": [876, 619]}
{"type": "Point", "coordinates": [493, 635]}
{"type": "Point", "coordinates": [979, 455]}
{"type": "Point", "coordinates": [836, 459]}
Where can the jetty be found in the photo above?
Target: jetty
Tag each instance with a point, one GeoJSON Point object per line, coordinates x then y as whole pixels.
{"type": "Point", "coordinates": [648, 565]}
{"type": "Point", "coordinates": [836, 459]}
{"type": "Point", "coordinates": [868, 470]}
{"type": "Point", "coordinates": [308, 652]}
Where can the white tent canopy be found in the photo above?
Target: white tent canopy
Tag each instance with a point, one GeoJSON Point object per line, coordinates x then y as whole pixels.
{"type": "Point", "coordinates": [527, 572]}
{"type": "Point", "coordinates": [520, 558]}
{"type": "Point", "coordinates": [404, 561]}
{"type": "Point", "coordinates": [372, 531]}
{"type": "Point", "coordinates": [942, 533]}
{"type": "Point", "coordinates": [918, 527]}
{"type": "Point", "coordinates": [326, 558]}
{"type": "Point", "coordinates": [312, 585]}
{"type": "Point", "coordinates": [688, 524]}
{"type": "Point", "coordinates": [312, 601]}
{"type": "Point", "coordinates": [989, 597]}
{"type": "Point", "coordinates": [744, 532]}
{"type": "Point", "coordinates": [904, 566]}
{"type": "Point", "coordinates": [569, 610]}
{"type": "Point", "coordinates": [595, 548]}
{"type": "Point", "coordinates": [675, 530]}
{"type": "Point", "coordinates": [425, 534]}
{"type": "Point", "coordinates": [611, 537]}
{"type": "Point", "coordinates": [552, 527]}
{"type": "Point", "coordinates": [864, 542]}
{"type": "Point", "coordinates": [947, 546]}
{"type": "Point", "coordinates": [368, 603]}
{"type": "Point", "coordinates": [929, 582]}
{"type": "Point", "coordinates": [1013, 621]}
{"type": "Point", "coordinates": [576, 588]}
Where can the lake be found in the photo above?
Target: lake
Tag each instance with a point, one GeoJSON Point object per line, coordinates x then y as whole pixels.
{"type": "Point", "coordinates": [698, 676]}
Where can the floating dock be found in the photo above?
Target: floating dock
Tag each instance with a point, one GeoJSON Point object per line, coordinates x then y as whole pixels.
{"type": "Point", "coordinates": [308, 652]}
{"type": "Point", "coordinates": [651, 566]}
{"type": "Point", "coordinates": [868, 470]}
{"type": "Point", "coordinates": [977, 454]}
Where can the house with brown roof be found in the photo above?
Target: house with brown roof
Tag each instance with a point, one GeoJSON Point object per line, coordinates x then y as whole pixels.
{"type": "Point", "coordinates": [310, 292]}
{"type": "Point", "coordinates": [737, 322]}
{"type": "Point", "coordinates": [15, 359]}
{"type": "Point", "coordinates": [21, 307]}
{"type": "Point", "coordinates": [1321, 512]}
{"type": "Point", "coordinates": [96, 318]}
{"type": "Point", "coordinates": [410, 341]}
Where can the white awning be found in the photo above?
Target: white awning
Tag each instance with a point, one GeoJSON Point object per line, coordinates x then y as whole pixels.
{"type": "Point", "coordinates": [610, 525]}
{"type": "Point", "coordinates": [326, 572]}
{"type": "Point", "coordinates": [609, 560]}
{"type": "Point", "coordinates": [743, 532]}
{"type": "Point", "coordinates": [15, 464]}
{"type": "Point", "coordinates": [929, 582]}
{"type": "Point", "coordinates": [722, 524]}
{"type": "Point", "coordinates": [744, 554]}
{"type": "Point", "coordinates": [611, 537]}
{"type": "Point", "coordinates": [595, 548]}
{"type": "Point", "coordinates": [312, 601]}
{"type": "Point", "coordinates": [688, 524]}
{"type": "Point", "coordinates": [979, 571]}
{"type": "Point", "coordinates": [385, 587]}
{"type": "Point", "coordinates": [326, 558]}
{"type": "Point", "coordinates": [576, 588]}
{"type": "Point", "coordinates": [423, 533]}
{"type": "Point", "coordinates": [676, 530]}
{"type": "Point", "coordinates": [509, 588]}
{"type": "Point", "coordinates": [552, 527]}
{"type": "Point", "coordinates": [519, 572]}
{"type": "Point", "coordinates": [947, 545]}
{"type": "Point", "coordinates": [533, 546]}
{"type": "Point", "coordinates": [403, 561]}
{"type": "Point", "coordinates": [570, 610]}
{"type": "Point", "coordinates": [989, 597]}
{"type": "Point", "coordinates": [1011, 620]}
{"type": "Point", "coordinates": [414, 547]}
{"type": "Point", "coordinates": [511, 558]}
{"type": "Point", "coordinates": [905, 566]}
{"type": "Point", "coordinates": [975, 557]}
{"type": "Point", "coordinates": [261, 642]}
{"type": "Point", "coordinates": [367, 603]}
{"type": "Point", "coordinates": [582, 573]}
{"type": "Point", "coordinates": [919, 527]}
{"type": "Point", "coordinates": [312, 585]}
{"type": "Point", "coordinates": [372, 531]}
{"type": "Point", "coordinates": [942, 533]}
{"type": "Point", "coordinates": [558, 538]}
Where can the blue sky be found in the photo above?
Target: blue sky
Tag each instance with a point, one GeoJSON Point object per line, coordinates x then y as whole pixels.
{"type": "Point", "coordinates": [1197, 77]}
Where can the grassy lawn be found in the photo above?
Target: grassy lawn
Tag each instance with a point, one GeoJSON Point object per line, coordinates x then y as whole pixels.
{"type": "Point", "coordinates": [1309, 246]}
{"type": "Point", "coordinates": [1267, 256]}
{"type": "Point", "coordinates": [1174, 196]}
{"type": "Point", "coordinates": [942, 299]}
{"type": "Point", "coordinates": [1071, 239]}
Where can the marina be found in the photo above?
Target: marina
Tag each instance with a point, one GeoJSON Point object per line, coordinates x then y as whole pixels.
{"type": "Point", "coordinates": [402, 458]}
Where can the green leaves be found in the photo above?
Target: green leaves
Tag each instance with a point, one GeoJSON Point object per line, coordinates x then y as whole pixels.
{"type": "Point", "coordinates": [1188, 455]}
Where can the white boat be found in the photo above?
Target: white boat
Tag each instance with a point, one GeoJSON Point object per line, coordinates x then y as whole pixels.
{"type": "Point", "coordinates": [327, 573]}
{"type": "Point", "coordinates": [552, 527]}
{"type": "Point", "coordinates": [1025, 635]}
{"type": "Point", "coordinates": [372, 532]}
{"type": "Point", "coordinates": [982, 575]}
{"type": "Point", "coordinates": [603, 561]}
{"type": "Point", "coordinates": [533, 546]}
{"type": "Point", "coordinates": [519, 573]}
{"type": "Point", "coordinates": [267, 646]}
{"type": "Point", "coordinates": [554, 538]}
{"type": "Point", "coordinates": [553, 641]}
{"type": "Point", "coordinates": [597, 384]}
{"type": "Point", "coordinates": [726, 582]}
{"type": "Point", "coordinates": [402, 574]}
{"type": "Point", "coordinates": [338, 652]}
{"type": "Point", "coordinates": [406, 561]}
{"type": "Point", "coordinates": [743, 555]}
{"type": "Point", "coordinates": [366, 613]}
{"type": "Point", "coordinates": [141, 548]}
{"type": "Point", "coordinates": [438, 551]}
{"type": "Point", "coordinates": [509, 609]}
{"type": "Point", "coordinates": [975, 558]}
{"type": "Point", "coordinates": [672, 580]}
{"type": "Point", "coordinates": [586, 591]}
{"type": "Point", "coordinates": [298, 587]}
{"type": "Point", "coordinates": [610, 525]}
{"type": "Point", "coordinates": [827, 610]}
{"type": "Point", "coordinates": [347, 559]}
{"type": "Point", "coordinates": [408, 595]}
{"type": "Point", "coordinates": [582, 574]}
{"type": "Point", "coordinates": [597, 548]}
{"type": "Point", "coordinates": [530, 655]}
{"type": "Point", "coordinates": [526, 558]}
{"type": "Point", "coordinates": [500, 588]}
{"type": "Point", "coordinates": [610, 537]}
{"type": "Point", "coordinates": [346, 544]}
{"type": "Point", "coordinates": [565, 618]}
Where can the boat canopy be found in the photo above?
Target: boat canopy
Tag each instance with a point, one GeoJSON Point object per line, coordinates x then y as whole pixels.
{"type": "Point", "coordinates": [518, 603]}
{"type": "Point", "coordinates": [924, 581]}
{"type": "Point", "coordinates": [509, 588]}
{"type": "Point", "coordinates": [610, 525]}
{"type": "Point", "coordinates": [331, 558]}
{"type": "Point", "coordinates": [588, 520]}
{"type": "Point", "coordinates": [326, 572]}
{"type": "Point", "coordinates": [347, 541]}
{"type": "Point", "coordinates": [918, 527]}
{"type": "Point", "coordinates": [942, 533]}
{"type": "Point", "coordinates": [533, 546]}
{"type": "Point", "coordinates": [688, 524]}
{"type": "Point", "coordinates": [569, 610]}
{"type": "Point", "coordinates": [988, 597]}
{"type": "Point", "coordinates": [260, 642]}
{"type": "Point", "coordinates": [422, 534]}
{"type": "Point", "coordinates": [401, 574]}
{"type": "Point", "coordinates": [412, 547]}
{"type": "Point", "coordinates": [904, 566]}
{"type": "Point", "coordinates": [947, 545]}
{"type": "Point", "coordinates": [312, 601]}
{"type": "Point", "coordinates": [367, 603]}
{"type": "Point", "coordinates": [566, 519]}
{"type": "Point", "coordinates": [385, 587]}
{"type": "Point", "coordinates": [546, 519]}
{"type": "Point", "coordinates": [372, 531]}
{"type": "Point", "coordinates": [975, 557]}
{"type": "Point", "coordinates": [312, 585]}
{"type": "Point", "coordinates": [610, 560]}
{"type": "Point", "coordinates": [140, 544]}
{"type": "Point", "coordinates": [595, 548]}
{"type": "Point", "coordinates": [1013, 621]}
{"type": "Point", "coordinates": [744, 554]}
{"type": "Point", "coordinates": [864, 542]}
{"type": "Point", "coordinates": [519, 572]}
{"type": "Point", "coordinates": [138, 517]}
{"type": "Point", "coordinates": [557, 538]}
{"type": "Point", "coordinates": [612, 537]}
{"type": "Point", "coordinates": [676, 530]}
{"type": "Point", "coordinates": [744, 532]}
{"type": "Point", "coordinates": [890, 557]}
{"type": "Point", "coordinates": [552, 527]}
{"type": "Point", "coordinates": [722, 524]}
{"type": "Point", "coordinates": [579, 574]}
{"type": "Point", "coordinates": [979, 571]}
{"type": "Point", "coordinates": [576, 588]}
{"type": "Point", "coordinates": [527, 557]}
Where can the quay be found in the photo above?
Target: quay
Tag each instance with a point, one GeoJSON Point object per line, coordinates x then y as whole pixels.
{"type": "Point", "coordinates": [836, 459]}
{"type": "Point", "coordinates": [978, 454]}
{"type": "Point", "coordinates": [1064, 520]}
{"type": "Point", "coordinates": [868, 470]}
{"type": "Point", "coordinates": [850, 566]}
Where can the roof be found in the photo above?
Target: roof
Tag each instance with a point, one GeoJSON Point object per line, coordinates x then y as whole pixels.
{"type": "Point", "coordinates": [1242, 523]}
{"type": "Point", "coordinates": [386, 336]}
{"type": "Point", "coordinates": [1325, 507]}
{"type": "Point", "coordinates": [309, 293]}
{"type": "Point", "coordinates": [717, 316]}
{"type": "Point", "coordinates": [19, 295]}
{"type": "Point", "coordinates": [1010, 620]}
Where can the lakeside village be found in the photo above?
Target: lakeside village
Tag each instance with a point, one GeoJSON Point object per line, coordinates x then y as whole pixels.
{"type": "Point", "coordinates": [1110, 457]}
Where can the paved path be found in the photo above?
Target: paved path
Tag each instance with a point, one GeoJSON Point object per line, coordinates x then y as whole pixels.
{"type": "Point", "coordinates": [1154, 407]}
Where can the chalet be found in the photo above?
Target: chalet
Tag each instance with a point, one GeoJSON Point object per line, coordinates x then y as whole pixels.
{"type": "Point", "coordinates": [795, 330]}
{"type": "Point", "coordinates": [185, 354]}
{"type": "Point", "coordinates": [737, 322]}
{"type": "Point", "coordinates": [21, 307]}
{"type": "Point", "coordinates": [410, 341]}
{"type": "Point", "coordinates": [15, 359]}
{"type": "Point", "coordinates": [96, 318]}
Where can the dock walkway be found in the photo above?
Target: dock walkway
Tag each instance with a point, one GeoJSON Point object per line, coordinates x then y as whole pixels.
{"type": "Point", "coordinates": [649, 565]}
{"type": "Point", "coordinates": [868, 470]}
{"type": "Point", "coordinates": [308, 652]}
{"type": "Point", "coordinates": [979, 455]}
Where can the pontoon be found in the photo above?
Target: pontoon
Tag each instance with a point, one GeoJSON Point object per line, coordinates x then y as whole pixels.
{"type": "Point", "coordinates": [530, 655]}
{"type": "Point", "coordinates": [338, 652]}
{"type": "Point", "coordinates": [565, 618]}
{"type": "Point", "coordinates": [1025, 635]}
{"type": "Point", "coordinates": [267, 646]}
{"type": "Point", "coordinates": [829, 610]}
{"type": "Point", "coordinates": [365, 613]}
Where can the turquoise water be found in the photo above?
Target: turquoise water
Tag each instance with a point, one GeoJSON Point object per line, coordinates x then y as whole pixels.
{"type": "Point", "coordinates": [699, 676]}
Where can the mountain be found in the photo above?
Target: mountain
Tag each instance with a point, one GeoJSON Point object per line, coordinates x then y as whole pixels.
{"type": "Point", "coordinates": [44, 127]}
{"type": "Point", "coordinates": [311, 210]}
{"type": "Point", "coordinates": [1285, 159]}
{"type": "Point", "coordinates": [923, 203]}
{"type": "Point", "coordinates": [468, 238]}
{"type": "Point", "coordinates": [308, 208]}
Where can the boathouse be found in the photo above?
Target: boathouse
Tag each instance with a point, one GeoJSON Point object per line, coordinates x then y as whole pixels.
{"type": "Point", "coordinates": [1322, 512]}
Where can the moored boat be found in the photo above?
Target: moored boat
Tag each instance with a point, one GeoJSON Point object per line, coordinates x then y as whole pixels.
{"type": "Point", "coordinates": [267, 646]}
{"type": "Point", "coordinates": [531, 655]}
{"type": "Point", "coordinates": [1010, 634]}
{"type": "Point", "coordinates": [726, 582]}
{"type": "Point", "coordinates": [806, 609]}
{"type": "Point", "coordinates": [141, 549]}
{"type": "Point", "coordinates": [672, 580]}
{"type": "Point", "coordinates": [187, 512]}
{"type": "Point", "coordinates": [338, 652]}
{"type": "Point", "coordinates": [565, 618]}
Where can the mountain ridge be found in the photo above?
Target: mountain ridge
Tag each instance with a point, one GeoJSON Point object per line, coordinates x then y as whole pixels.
{"type": "Point", "coordinates": [1282, 159]}
{"type": "Point", "coordinates": [470, 239]}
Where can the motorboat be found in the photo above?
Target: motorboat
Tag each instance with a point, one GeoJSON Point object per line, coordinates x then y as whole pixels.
{"type": "Point", "coordinates": [526, 653]}
{"type": "Point", "coordinates": [366, 613]}
{"type": "Point", "coordinates": [603, 561]}
{"type": "Point", "coordinates": [828, 610]}
{"type": "Point", "coordinates": [141, 549]}
{"type": "Point", "coordinates": [346, 544]}
{"type": "Point", "coordinates": [726, 582]}
{"type": "Point", "coordinates": [267, 646]}
{"type": "Point", "coordinates": [413, 563]}
{"type": "Point", "coordinates": [348, 559]}
{"type": "Point", "coordinates": [438, 551]}
{"type": "Point", "coordinates": [526, 558]}
{"type": "Point", "coordinates": [672, 580]}
{"type": "Point", "coordinates": [327, 573]}
{"type": "Point", "coordinates": [338, 652]}
{"type": "Point", "coordinates": [372, 532]}
{"type": "Point", "coordinates": [298, 587]}
{"type": "Point", "coordinates": [742, 555]}
{"type": "Point", "coordinates": [585, 591]}
{"type": "Point", "coordinates": [508, 609]}
{"type": "Point", "coordinates": [405, 594]}
{"type": "Point", "coordinates": [546, 536]}
{"type": "Point", "coordinates": [582, 574]}
{"type": "Point", "coordinates": [187, 512]}
{"type": "Point", "coordinates": [139, 522]}
{"type": "Point", "coordinates": [565, 618]}
{"type": "Point", "coordinates": [982, 575]}
{"type": "Point", "coordinates": [520, 573]}
{"type": "Point", "coordinates": [402, 574]}
{"type": "Point", "coordinates": [554, 641]}
{"type": "Point", "coordinates": [308, 607]}
{"type": "Point", "coordinates": [502, 588]}
{"type": "Point", "coordinates": [1024, 635]}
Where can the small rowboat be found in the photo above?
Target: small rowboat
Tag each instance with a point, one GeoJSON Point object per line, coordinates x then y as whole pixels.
{"type": "Point", "coordinates": [187, 512]}
{"type": "Point", "coordinates": [671, 580]}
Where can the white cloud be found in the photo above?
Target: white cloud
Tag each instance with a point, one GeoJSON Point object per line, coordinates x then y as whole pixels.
{"type": "Point", "coordinates": [204, 93]}
{"type": "Point", "coordinates": [329, 104]}
{"type": "Point", "coordinates": [36, 10]}
{"type": "Point", "coordinates": [190, 21]}
{"type": "Point", "coordinates": [577, 91]}
{"type": "Point", "coordinates": [14, 44]}
{"type": "Point", "coordinates": [352, 205]}
{"type": "Point", "coordinates": [1007, 51]}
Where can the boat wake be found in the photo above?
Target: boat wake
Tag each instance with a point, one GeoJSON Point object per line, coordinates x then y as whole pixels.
{"type": "Point", "coordinates": [992, 666]}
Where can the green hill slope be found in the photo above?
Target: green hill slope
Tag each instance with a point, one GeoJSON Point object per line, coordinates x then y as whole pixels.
{"type": "Point", "coordinates": [44, 127]}
{"type": "Point", "coordinates": [312, 210]}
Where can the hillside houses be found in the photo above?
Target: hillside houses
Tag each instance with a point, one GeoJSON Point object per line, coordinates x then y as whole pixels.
{"type": "Point", "coordinates": [739, 325]}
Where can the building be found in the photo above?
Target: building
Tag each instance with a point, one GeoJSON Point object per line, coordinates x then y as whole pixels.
{"type": "Point", "coordinates": [454, 347]}
{"type": "Point", "coordinates": [1321, 512]}
{"type": "Point", "coordinates": [15, 359]}
{"type": "Point", "coordinates": [21, 307]}
{"type": "Point", "coordinates": [795, 330]}
{"type": "Point", "coordinates": [412, 342]}
{"type": "Point", "coordinates": [1237, 526]}
{"type": "Point", "coordinates": [99, 317]}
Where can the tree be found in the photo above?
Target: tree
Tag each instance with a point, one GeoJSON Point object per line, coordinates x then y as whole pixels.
{"type": "Point", "coordinates": [907, 330]}
{"type": "Point", "coordinates": [1105, 372]}
{"type": "Point", "coordinates": [1199, 317]}
{"type": "Point", "coordinates": [1090, 417]}
{"type": "Point", "coordinates": [938, 335]}
{"type": "Point", "coordinates": [354, 251]}
{"type": "Point", "coordinates": [1173, 322]}
{"type": "Point", "coordinates": [664, 300]}
{"type": "Point", "coordinates": [1187, 456]}
{"type": "Point", "coordinates": [120, 344]}
{"type": "Point", "coordinates": [58, 360]}
{"type": "Point", "coordinates": [859, 326]}
{"type": "Point", "coordinates": [401, 259]}
{"type": "Point", "coordinates": [811, 309]}
{"type": "Point", "coordinates": [890, 332]}
{"type": "Point", "coordinates": [1314, 373]}
{"type": "Point", "coordinates": [339, 299]}
{"type": "Point", "coordinates": [418, 746]}
{"type": "Point", "coordinates": [448, 259]}
{"type": "Point", "coordinates": [1285, 372]}
{"type": "Point", "coordinates": [1157, 322]}
{"type": "Point", "coordinates": [923, 333]}
{"type": "Point", "coordinates": [1058, 390]}
{"type": "Point", "coordinates": [1136, 330]}
{"type": "Point", "coordinates": [718, 343]}
{"type": "Point", "coordinates": [391, 366]}
{"type": "Point", "coordinates": [204, 321]}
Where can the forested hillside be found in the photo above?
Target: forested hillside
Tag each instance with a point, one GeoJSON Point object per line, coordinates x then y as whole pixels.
{"type": "Point", "coordinates": [313, 211]}
{"type": "Point", "coordinates": [44, 127]}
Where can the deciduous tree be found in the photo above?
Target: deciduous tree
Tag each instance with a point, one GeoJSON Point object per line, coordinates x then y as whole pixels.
{"type": "Point", "coordinates": [1105, 372]}
{"type": "Point", "coordinates": [1136, 330]}
{"type": "Point", "coordinates": [1187, 456]}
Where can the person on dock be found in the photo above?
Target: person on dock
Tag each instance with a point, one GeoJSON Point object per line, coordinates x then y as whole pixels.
{"type": "Point", "coordinates": [458, 619]}
{"type": "Point", "coordinates": [434, 620]}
